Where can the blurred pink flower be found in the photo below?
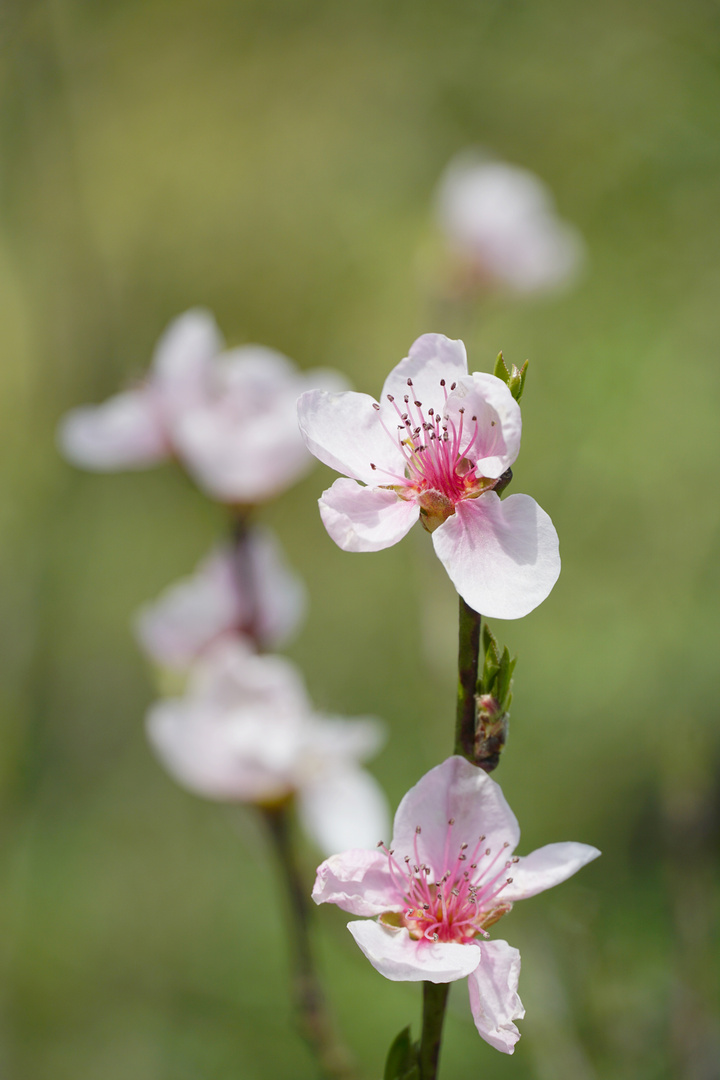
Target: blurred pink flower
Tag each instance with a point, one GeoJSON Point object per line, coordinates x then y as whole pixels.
{"type": "Point", "coordinates": [448, 875]}
{"type": "Point", "coordinates": [433, 449]}
{"type": "Point", "coordinates": [501, 221]}
{"type": "Point", "coordinates": [217, 601]}
{"type": "Point", "coordinates": [229, 417]}
{"type": "Point", "coordinates": [246, 732]}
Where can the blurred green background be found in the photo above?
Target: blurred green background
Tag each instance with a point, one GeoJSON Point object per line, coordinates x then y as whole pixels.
{"type": "Point", "coordinates": [276, 161]}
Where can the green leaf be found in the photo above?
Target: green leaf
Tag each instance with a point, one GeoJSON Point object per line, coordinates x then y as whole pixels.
{"type": "Point", "coordinates": [500, 370]}
{"type": "Point", "coordinates": [401, 1063]}
{"type": "Point", "coordinates": [516, 380]}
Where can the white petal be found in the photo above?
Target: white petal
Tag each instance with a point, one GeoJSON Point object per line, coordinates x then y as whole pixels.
{"type": "Point", "coordinates": [431, 358]}
{"type": "Point", "coordinates": [393, 953]}
{"type": "Point", "coordinates": [125, 432]}
{"type": "Point", "coordinates": [189, 615]}
{"type": "Point", "coordinates": [364, 518]}
{"type": "Point", "coordinates": [346, 432]}
{"type": "Point", "coordinates": [231, 675]}
{"type": "Point", "coordinates": [494, 1000]}
{"type": "Point", "coordinates": [182, 359]}
{"type": "Point", "coordinates": [461, 791]}
{"type": "Point", "coordinates": [344, 808]}
{"type": "Point", "coordinates": [280, 599]}
{"type": "Point", "coordinates": [357, 881]}
{"type": "Point", "coordinates": [502, 557]}
{"type": "Point", "coordinates": [546, 867]}
{"type": "Point", "coordinates": [499, 422]}
{"type": "Point", "coordinates": [217, 755]}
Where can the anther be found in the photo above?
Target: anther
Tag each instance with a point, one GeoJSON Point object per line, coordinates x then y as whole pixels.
{"type": "Point", "coordinates": [407, 858]}
{"type": "Point", "coordinates": [380, 843]}
{"type": "Point", "coordinates": [473, 866]}
{"type": "Point", "coordinates": [506, 844]}
{"type": "Point", "coordinates": [426, 907]}
{"type": "Point", "coordinates": [417, 404]}
{"type": "Point", "coordinates": [463, 847]}
{"type": "Point", "coordinates": [462, 857]}
{"type": "Point", "coordinates": [418, 829]}
{"type": "Point", "coordinates": [455, 892]}
{"type": "Point", "coordinates": [373, 467]}
{"type": "Point", "coordinates": [451, 821]}
{"type": "Point", "coordinates": [474, 417]}
{"type": "Point", "coordinates": [376, 406]}
{"type": "Point", "coordinates": [461, 409]}
{"type": "Point", "coordinates": [508, 881]}
{"type": "Point", "coordinates": [390, 397]}
{"type": "Point", "coordinates": [515, 858]}
{"type": "Point", "coordinates": [442, 382]}
{"type": "Point", "coordinates": [406, 399]}
{"type": "Point", "coordinates": [409, 382]}
{"type": "Point", "coordinates": [487, 850]}
{"type": "Point", "coordinates": [453, 386]}
{"type": "Point", "coordinates": [435, 937]}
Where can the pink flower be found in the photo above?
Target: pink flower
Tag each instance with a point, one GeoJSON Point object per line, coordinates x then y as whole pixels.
{"type": "Point", "coordinates": [246, 732]}
{"type": "Point", "coordinates": [448, 876]}
{"type": "Point", "coordinates": [433, 448]}
{"type": "Point", "coordinates": [193, 614]}
{"type": "Point", "coordinates": [501, 221]}
{"type": "Point", "coordinates": [229, 417]}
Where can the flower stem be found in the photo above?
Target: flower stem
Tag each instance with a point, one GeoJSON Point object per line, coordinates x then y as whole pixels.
{"type": "Point", "coordinates": [240, 531]}
{"type": "Point", "coordinates": [316, 1026]}
{"type": "Point", "coordinates": [468, 659]}
{"type": "Point", "coordinates": [435, 997]}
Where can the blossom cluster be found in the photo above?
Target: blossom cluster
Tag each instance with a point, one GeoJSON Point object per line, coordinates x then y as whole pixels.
{"type": "Point", "coordinates": [436, 447]}
{"type": "Point", "coordinates": [244, 730]}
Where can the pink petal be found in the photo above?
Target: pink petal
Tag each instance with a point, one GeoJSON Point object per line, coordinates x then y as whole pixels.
{"type": "Point", "coordinates": [502, 557]}
{"type": "Point", "coordinates": [357, 881]}
{"type": "Point", "coordinates": [346, 432]}
{"type": "Point", "coordinates": [461, 791]}
{"type": "Point", "coordinates": [125, 432]}
{"type": "Point", "coordinates": [393, 953]}
{"type": "Point", "coordinates": [181, 364]}
{"type": "Point", "coordinates": [499, 423]}
{"type": "Point", "coordinates": [343, 807]}
{"type": "Point", "coordinates": [546, 867]}
{"type": "Point", "coordinates": [431, 358]}
{"type": "Point", "coordinates": [494, 1000]}
{"type": "Point", "coordinates": [365, 518]}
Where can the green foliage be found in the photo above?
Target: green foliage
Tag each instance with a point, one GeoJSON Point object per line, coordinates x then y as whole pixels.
{"type": "Point", "coordinates": [514, 378]}
{"type": "Point", "coordinates": [497, 672]}
{"type": "Point", "coordinates": [402, 1059]}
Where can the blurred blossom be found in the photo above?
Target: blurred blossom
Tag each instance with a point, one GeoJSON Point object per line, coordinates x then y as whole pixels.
{"type": "Point", "coordinates": [247, 732]}
{"type": "Point", "coordinates": [433, 449]}
{"type": "Point", "coordinates": [501, 227]}
{"type": "Point", "coordinates": [448, 876]}
{"type": "Point", "coordinates": [263, 600]}
{"type": "Point", "coordinates": [228, 416]}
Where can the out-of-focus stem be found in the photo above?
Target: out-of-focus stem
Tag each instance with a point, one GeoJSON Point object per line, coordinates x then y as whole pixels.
{"type": "Point", "coordinates": [316, 1025]}
{"type": "Point", "coordinates": [435, 997]}
{"type": "Point", "coordinates": [468, 658]}
{"type": "Point", "coordinates": [240, 529]}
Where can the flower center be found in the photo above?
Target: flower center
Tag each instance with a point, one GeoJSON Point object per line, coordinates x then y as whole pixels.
{"type": "Point", "coordinates": [439, 461]}
{"type": "Point", "coordinates": [460, 903]}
